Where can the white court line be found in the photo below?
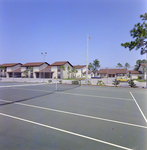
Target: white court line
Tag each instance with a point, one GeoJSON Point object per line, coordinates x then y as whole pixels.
{"type": "Point", "coordinates": [94, 96]}
{"type": "Point", "coordinates": [118, 90]}
{"type": "Point", "coordinates": [80, 115]}
{"type": "Point", "coordinates": [139, 107]}
{"type": "Point", "coordinates": [65, 131]}
{"type": "Point", "coordinates": [79, 94]}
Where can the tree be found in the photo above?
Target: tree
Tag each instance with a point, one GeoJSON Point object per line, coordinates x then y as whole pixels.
{"type": "Point", "coordinates": [30, 70]}
{"type": "Point", "coordinates": [139, 33]}
{"type": "Point", "coordinates": [62, 69]}
{"type": "Point", "coordinates": [90, 66]}
{"type": "Point", "coordinates": [94, 66]}
{"type": "Point", "coordinates": [127, 66]}
{"type": "Point", "coordinates": [25, 72]}
{"type": "Point", "coordinates": [68, 71]}
{"type": "Point", "coordinates": [119, 65]}
{"type": "Point", "coordinates": [74, 71]}
{"type": "Point", "coordinates": [138, 62]}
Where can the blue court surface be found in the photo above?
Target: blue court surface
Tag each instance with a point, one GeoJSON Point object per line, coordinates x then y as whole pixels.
{"type": "Point", "coordinates": [65, 117]}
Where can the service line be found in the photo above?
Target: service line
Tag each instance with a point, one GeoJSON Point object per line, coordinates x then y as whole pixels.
{"type": "Point", "coordinates": [76, 114]}
{"type": "Point", "coordinates": [65, 131]}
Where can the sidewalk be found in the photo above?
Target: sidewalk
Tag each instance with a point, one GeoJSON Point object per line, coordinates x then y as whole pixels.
{"type": "Point", "coordinates": [107, 81]}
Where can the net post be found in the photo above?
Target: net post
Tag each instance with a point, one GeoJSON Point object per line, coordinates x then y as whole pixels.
{"type": "Point", "coordinates": [56, 86]}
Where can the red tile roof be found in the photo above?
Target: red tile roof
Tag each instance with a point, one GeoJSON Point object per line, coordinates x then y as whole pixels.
{"type": "Point", "coordinates": [143, 64]}
{"type": "Point", "coordinates": [134, 72]}
{"type": "Point", "coordinates": [47, 69]}
{"type": "Point", "coordinates": [10, 64]}
{"type": "Point", "coordinates": [34, 64]}
{"type": "Point", "coordinates": [79, 66]}
{"type": "Point", "coordinates": [60, 63]}
{"type": "Point", "coordinates": [112, 71]}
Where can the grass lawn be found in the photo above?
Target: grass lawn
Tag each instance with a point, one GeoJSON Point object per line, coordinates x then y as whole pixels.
{"type": "Point", "coordinates": [140, 80]}
{"type": "Point", "coordinates": [69, 79]}
{"type": "Point", "coordinates": [74, 79]}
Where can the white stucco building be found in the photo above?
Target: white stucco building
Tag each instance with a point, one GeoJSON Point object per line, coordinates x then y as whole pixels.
{"type": "Point", "coordinates": [9, 70]}
{"type": "Point", "coordinates": [80, 70]}
{"type": "Point", "coordinates": [59, 73]}
{"type": "Point", "coordinates": [36, 67]}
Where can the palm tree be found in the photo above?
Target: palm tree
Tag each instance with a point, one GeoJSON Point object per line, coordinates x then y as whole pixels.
{"type": "Point", "coordinates": [74, 71]}
{"type": "Point", "coordinates": [90, 66]}
{"type": "Point", "coordinates": [68, 69]}
{"type": "Point", "coordinates": [127, 66]}
{"type": "Point", "coordinates": [94, 66]}
{"type": "Point", "coordinates": [119, 65]}
{"type": "Point", "coordinates": [25, 72]}
{"type": "Point", "coordinates": [30, 70]}
{"type": "Point", "coordinates": [62, 69]}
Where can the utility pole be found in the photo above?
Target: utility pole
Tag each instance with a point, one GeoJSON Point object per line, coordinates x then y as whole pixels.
{"type": "Point", "coordinates": [88, 37]}
{"type": "Point", "coordinates": [44, 65]}
{"type": "Point", "coordinates": [146, 68]}
{"type": "Point", "coordinates": [143, 52]}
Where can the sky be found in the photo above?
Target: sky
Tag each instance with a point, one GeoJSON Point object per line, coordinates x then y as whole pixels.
{"type": "Point", "coordinates": [60, 28]}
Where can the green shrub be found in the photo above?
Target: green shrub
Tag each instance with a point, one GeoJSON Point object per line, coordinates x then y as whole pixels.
{"type": "Point", "coordinates": [49, 81]}
{"type": "Point", "coordinates": [88, 83]}
{"type": "Point", "coordinates": [115, 82]}
{"type": "Point", "coordinates": [60, 81]}
{"type": "Point", "coordinates": [100, 82]}
{"type": "Point", "coordinates": [75, 82]}
{"type": "Point", "coordinates": [131, 83]}
{"type": "Point", "coordinates": [139, 77]}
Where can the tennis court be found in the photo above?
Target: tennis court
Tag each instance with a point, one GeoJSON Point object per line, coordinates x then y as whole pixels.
{"type": "Point", "coordinates": [70, 117]}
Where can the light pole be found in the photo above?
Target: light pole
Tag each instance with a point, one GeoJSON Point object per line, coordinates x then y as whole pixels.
{"type": "Point", "coordinates": [88, 37]}
{"type": "Point", "coordinates": [44, 64]}
{"type": "Point", "coordinates": [143, 52]}
{"type": "Point", "coordinates": [146, 67]}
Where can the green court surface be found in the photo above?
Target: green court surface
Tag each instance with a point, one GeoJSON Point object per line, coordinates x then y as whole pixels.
{"type": "Point", "coordinates": [71, 117]}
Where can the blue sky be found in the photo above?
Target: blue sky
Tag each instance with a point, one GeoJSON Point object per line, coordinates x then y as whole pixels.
{"type": "Point", "coordinates": [60, 28]}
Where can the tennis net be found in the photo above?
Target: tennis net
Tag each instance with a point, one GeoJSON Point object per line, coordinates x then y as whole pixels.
{"type": "Point", "coordinates": [13, 93]}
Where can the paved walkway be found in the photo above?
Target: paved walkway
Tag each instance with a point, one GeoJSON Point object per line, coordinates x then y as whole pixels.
{"type": "Point", "coordinates": [107, 81]}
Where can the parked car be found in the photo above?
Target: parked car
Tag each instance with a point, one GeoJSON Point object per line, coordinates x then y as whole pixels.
{"type": "Point", "coordinates": [96, 77]}
{"type": "Point", "coordinates": [123, 79]}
